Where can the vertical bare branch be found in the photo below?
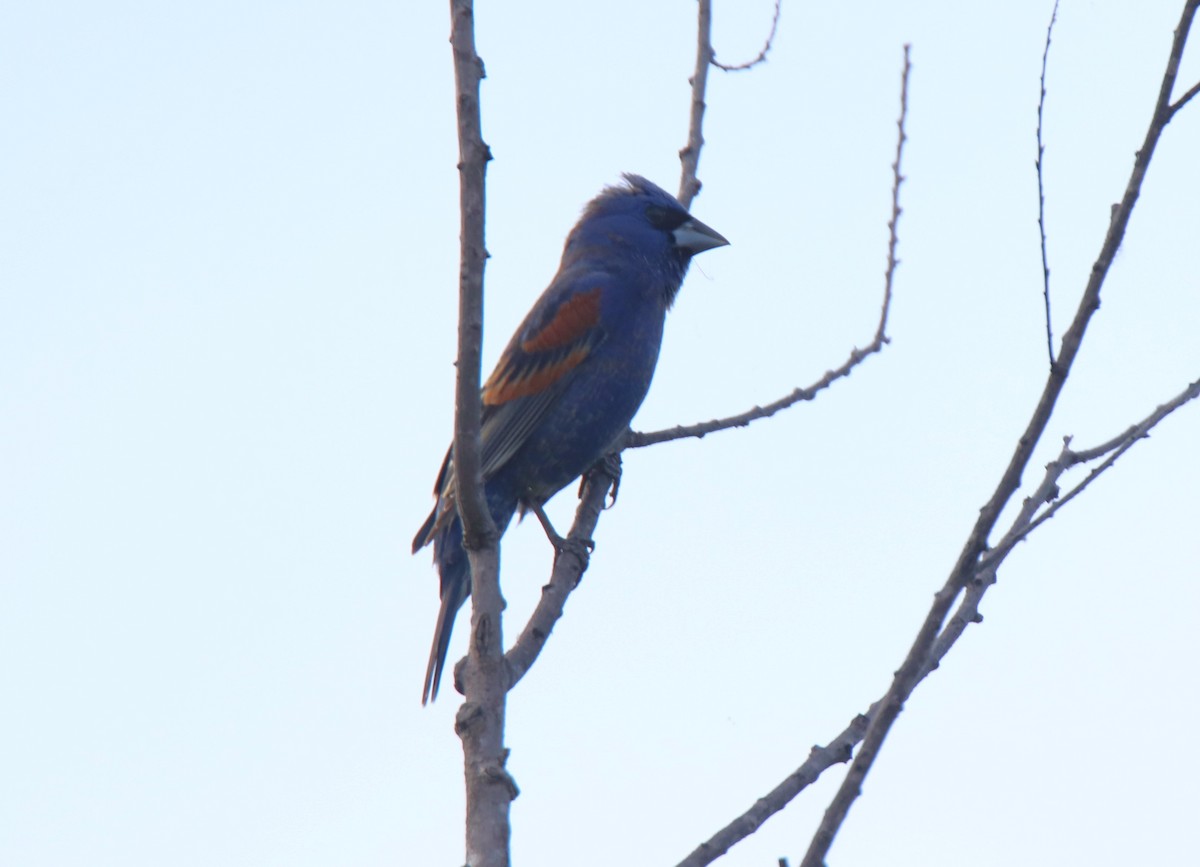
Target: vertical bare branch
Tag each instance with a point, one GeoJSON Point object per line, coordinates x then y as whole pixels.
{"type": "Point", "coordinates": [889, 276]}
{"type": "Point", "coordinates": [689, 184]}
{"type": "Point", "coordinates": [472, 165]}
{"type": "Point", "coordinates": [480, 720]}
{"type": "Point", "coordinates": [1041, 152]}
{"type": "Point", "coordinates": [965, 568]}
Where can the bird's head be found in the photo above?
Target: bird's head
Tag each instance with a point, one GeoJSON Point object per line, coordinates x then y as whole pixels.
{"type": "Point", "coordinates": [647, 221]}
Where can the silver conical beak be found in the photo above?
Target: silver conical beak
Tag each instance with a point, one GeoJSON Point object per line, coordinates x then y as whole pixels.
{"type": "Point", "coordinates": [695, 237]}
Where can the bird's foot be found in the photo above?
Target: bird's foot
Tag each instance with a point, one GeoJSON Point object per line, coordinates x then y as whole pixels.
{"type": "Point", "coordinates": [581, 548]}
{"type": "Point", "coordinates": [606, 470]}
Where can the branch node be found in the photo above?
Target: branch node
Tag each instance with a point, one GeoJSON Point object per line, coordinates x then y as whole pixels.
{"type": "Point", "coordinates": [497, 775]}
{"type": "Point", "coordinates": [469, 715]}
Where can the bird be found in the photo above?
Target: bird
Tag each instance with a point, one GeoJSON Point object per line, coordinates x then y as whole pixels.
{"type": "Point", "coordinates": [573, 375]}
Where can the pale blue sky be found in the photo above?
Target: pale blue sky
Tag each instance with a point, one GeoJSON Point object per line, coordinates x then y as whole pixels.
{"type": "Point", "coordinates": [228, 240]}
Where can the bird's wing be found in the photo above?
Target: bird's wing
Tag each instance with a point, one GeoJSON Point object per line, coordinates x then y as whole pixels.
{"type": "Point", "coordinates": [560, 333]}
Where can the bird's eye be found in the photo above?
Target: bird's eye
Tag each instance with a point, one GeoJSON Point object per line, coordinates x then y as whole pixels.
{"type": "Point", "coordinates": [667, 219]}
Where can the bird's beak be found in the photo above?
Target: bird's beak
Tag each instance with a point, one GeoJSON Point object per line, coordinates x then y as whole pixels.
{"type": "Point", "coordinates": [695, 237]}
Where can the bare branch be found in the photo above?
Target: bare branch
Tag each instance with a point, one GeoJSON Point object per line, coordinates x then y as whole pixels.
{"type": "Point", "coordinates": [480, 720]}
{"type": "Point", "coordinates": [1173, 66]}
{"type": "Point", "coordinates": [897, 179]}
{"type": "Point", "coordinates": [568, 570]}
{"type": "Point", "coordinates": [636, 440]}
{"type": "Point", "coordinates": [966, 567]}
{"type": "Point", "coordinates": [820, 759]}
{"type": "Point", "coordinates": [762, 55]}
{"type": "Point", "coordinates": [1183, 100]}
{"type": "Point", "coordinates": [1047, 491]}
{"type": "Point", "coordinates": [689, 157]}
{"type": "Point", "coordinates": [839, 749]}
{"type": "Point", "coordinates": [1041, 152]}
{"type": "Point", "coordinates": [473, 157]}
{"type": "Point", "coordinates": [1114, 448]}
{"type": "Point", "coordinates": [1185, 23]}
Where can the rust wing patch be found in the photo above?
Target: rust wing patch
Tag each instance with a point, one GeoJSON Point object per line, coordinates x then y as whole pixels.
{"type": "Point", "coordinates": [571, 323]}
{"type": "Point", "coordinates": [544, 357]}
{"type": "Point", "coordinates": [512, 381]}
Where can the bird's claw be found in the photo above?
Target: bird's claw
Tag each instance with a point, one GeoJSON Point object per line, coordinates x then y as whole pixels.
{"type": "Point", "coordinates": [581, 548]}
{"type": "Point", "coordinates": [608, 467]}
{"type": "Point", "coordinates": [589, 544]}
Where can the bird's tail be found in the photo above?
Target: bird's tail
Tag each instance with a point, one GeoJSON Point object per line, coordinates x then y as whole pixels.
{"type": "Point", "coordinates": [454, 593]}
{"type": "Point", "coordinates": [455, 571]}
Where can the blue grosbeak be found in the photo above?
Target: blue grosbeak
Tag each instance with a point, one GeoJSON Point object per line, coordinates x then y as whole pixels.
{"type": "Point", "coordinates": [572, 377]}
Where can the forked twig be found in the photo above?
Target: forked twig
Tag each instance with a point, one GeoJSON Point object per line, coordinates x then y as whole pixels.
{"type": "Point", "coordinates": [636, 440]}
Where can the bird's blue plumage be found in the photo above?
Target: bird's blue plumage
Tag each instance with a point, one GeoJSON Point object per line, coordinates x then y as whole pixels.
{"type": "Point", "coordinates": [572, 377]}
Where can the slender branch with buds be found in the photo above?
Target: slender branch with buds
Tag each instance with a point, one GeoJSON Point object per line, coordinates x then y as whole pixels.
{"type": "Point", "coordinates": [919, 657]}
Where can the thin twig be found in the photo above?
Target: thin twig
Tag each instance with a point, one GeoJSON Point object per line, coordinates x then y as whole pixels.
{"type": "Point", "coordinates": [1041, 153]}
{"type": "Point", "coordinates": [1185, 22]}
{"type": "Point", "coordinates": [820, 759]}
{"type": "Point", "coordinates": [839, 749]}
{"type": "Point", "coordinates": [762, 55]}
{"type": "Point", "coordinates": [1117, 446]}
{"type": "Point", "coordinates": [1183, 100]}
{"type": "Point", "coordinates": [966, 567]}
{"type": "Point", "coordinates": [636, 440]}
{"type": "Point", "coordinates": [1047, 492]}
{"type": "Point", "coordinates": [689, 157]}
{"type": "Point", "coordinates": [893, 224]}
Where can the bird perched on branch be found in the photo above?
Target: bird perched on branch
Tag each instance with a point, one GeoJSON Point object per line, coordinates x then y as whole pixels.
{"type": "Point", "coordinates": [572, 377]}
